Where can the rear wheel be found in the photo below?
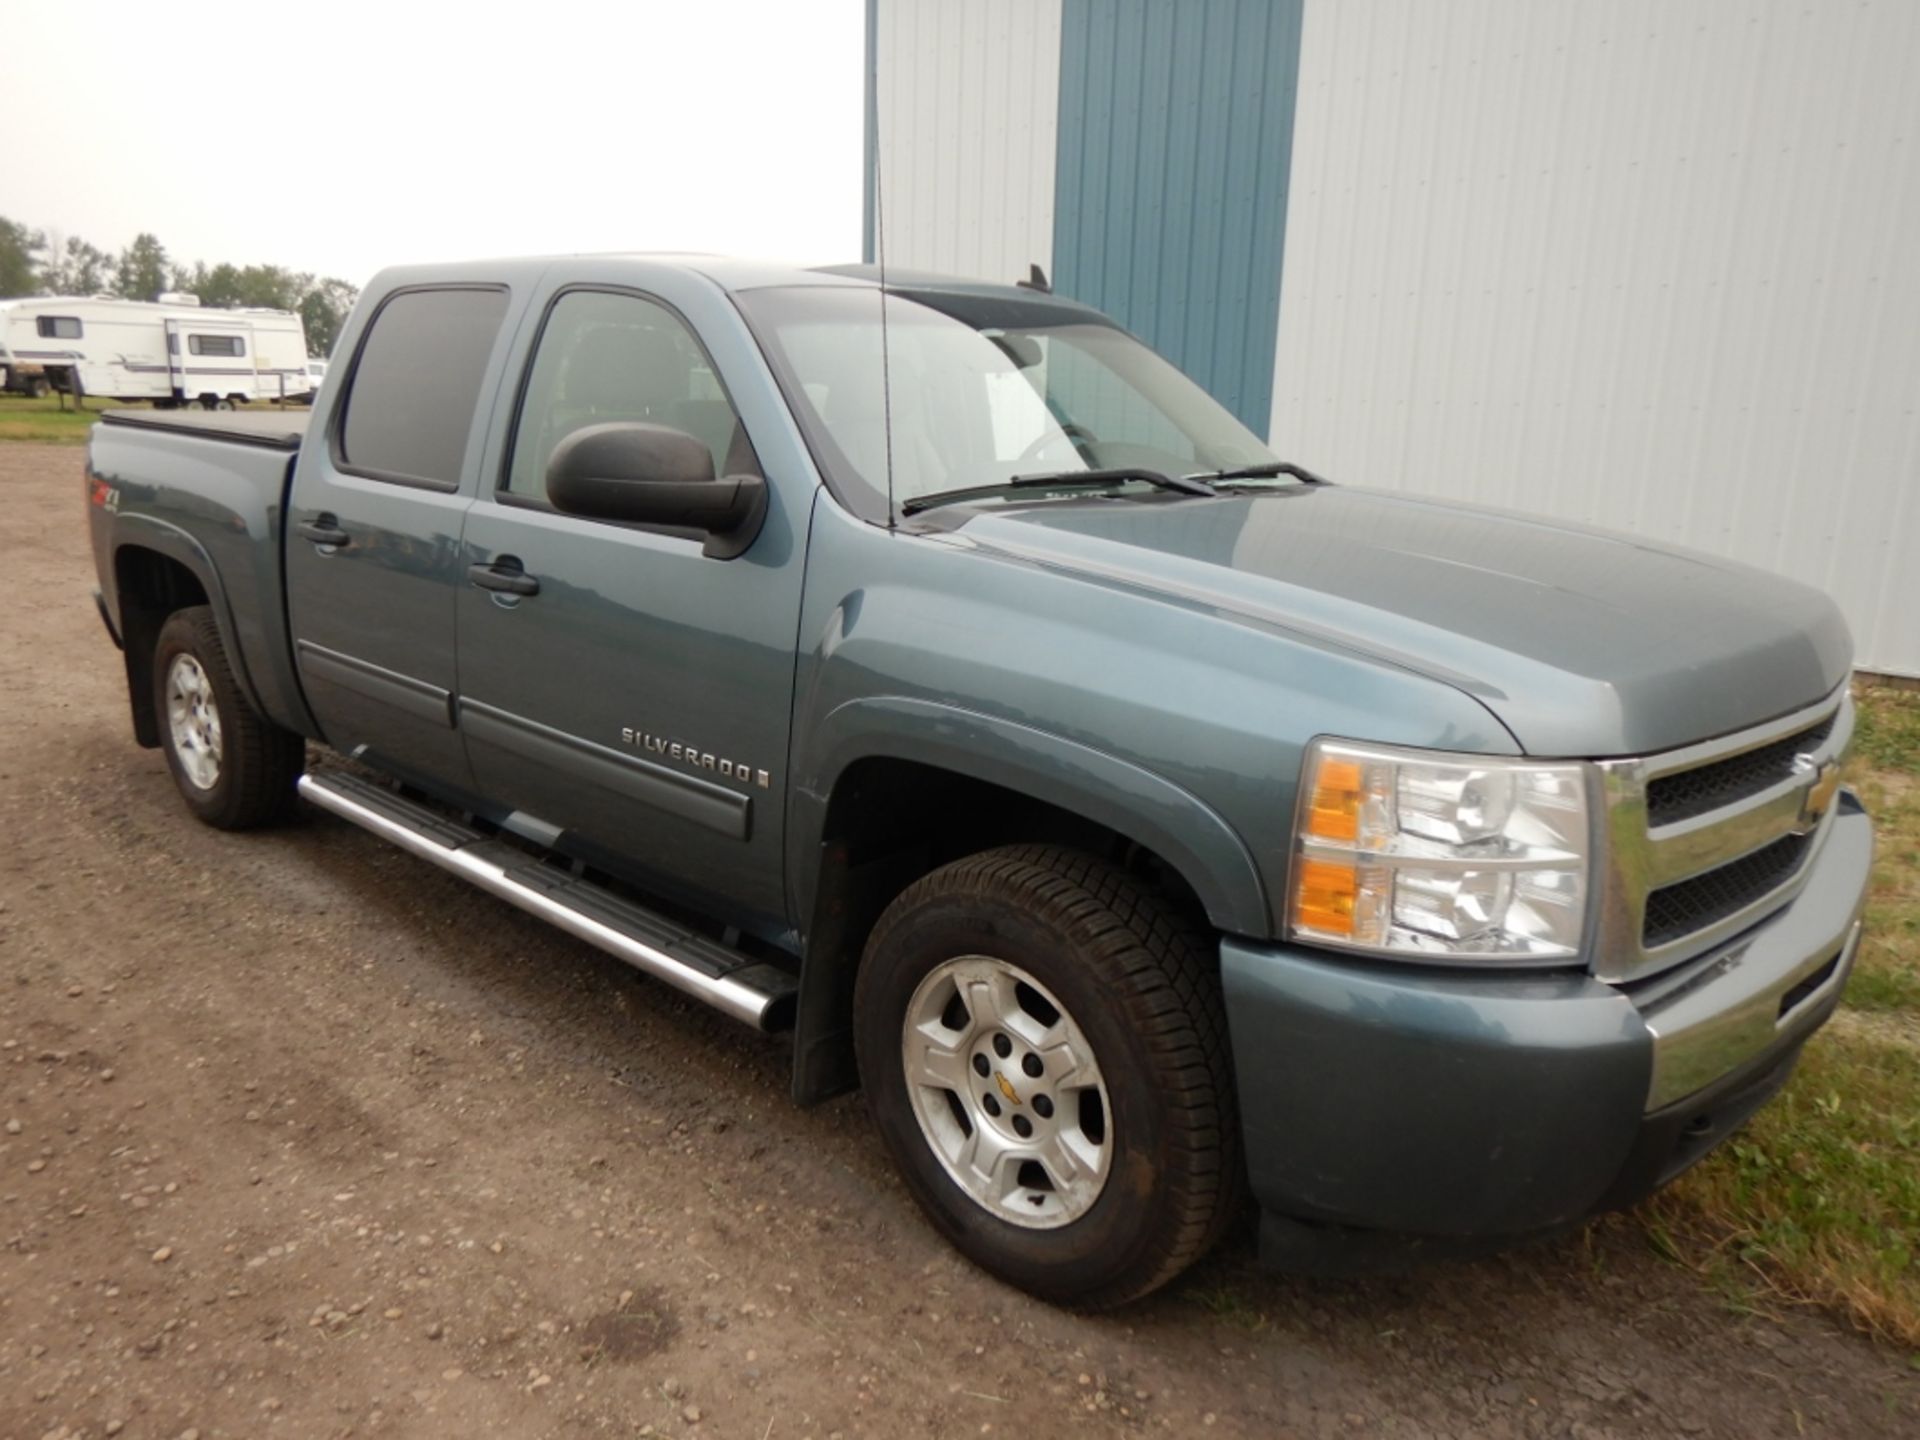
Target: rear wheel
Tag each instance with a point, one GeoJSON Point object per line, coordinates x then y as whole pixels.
{"type": "Point", "coordinates": [234, 768]}
{"type": "Point", "coordinates": [1043, 1047]}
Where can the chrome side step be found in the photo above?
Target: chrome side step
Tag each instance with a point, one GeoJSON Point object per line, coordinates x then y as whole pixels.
{"type": "Point", "coordinates": [746, 988]}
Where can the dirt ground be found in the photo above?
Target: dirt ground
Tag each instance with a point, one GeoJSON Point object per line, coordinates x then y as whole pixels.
{"type": "Point", "coordinates": [304, 1138]}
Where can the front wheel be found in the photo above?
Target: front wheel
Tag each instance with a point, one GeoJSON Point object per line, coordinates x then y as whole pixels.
{"type": "Point", "coordinates": [235, 768]}
{"type": "Point", "coordinates": [1043, 1047]}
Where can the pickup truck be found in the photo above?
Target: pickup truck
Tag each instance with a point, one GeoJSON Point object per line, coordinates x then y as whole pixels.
{"type": "Point", "coordinates": [930, 669]}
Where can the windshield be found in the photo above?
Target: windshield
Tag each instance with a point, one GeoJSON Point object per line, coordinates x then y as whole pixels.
{"type": "Point", "coordinates": [982, 388]}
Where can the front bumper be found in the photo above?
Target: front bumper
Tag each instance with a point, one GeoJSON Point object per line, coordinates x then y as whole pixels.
{"type": "Point", "coordinates": [1460, 1104]}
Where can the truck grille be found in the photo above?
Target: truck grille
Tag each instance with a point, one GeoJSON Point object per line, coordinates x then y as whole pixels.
{"type": "Point", "coordinates": [1705, 841]}
{"type": "Point", "coordinates": [1673, 798]}
{"type": "Point", "coordinates": [1677, 910]}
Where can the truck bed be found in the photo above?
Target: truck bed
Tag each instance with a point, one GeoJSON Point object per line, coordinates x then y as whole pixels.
{"type": "Point", "coordinates": [204, 492]}
{"type": "Point", "coordinates": [276, 429]}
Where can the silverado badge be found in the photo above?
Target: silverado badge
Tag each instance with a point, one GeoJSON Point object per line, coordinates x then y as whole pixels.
{"type": "Point", "coordinates": [696, 757]}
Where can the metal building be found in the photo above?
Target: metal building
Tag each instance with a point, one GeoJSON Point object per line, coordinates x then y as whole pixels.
{"type": "Point", "coordinates": [1635, 264]}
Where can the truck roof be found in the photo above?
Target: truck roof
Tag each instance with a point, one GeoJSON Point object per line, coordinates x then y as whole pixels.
{"type": "Point", "coordinates": [729, 273]}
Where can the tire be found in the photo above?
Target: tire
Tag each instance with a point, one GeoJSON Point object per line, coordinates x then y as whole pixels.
{"type": "Point", "coordinates": [234, 768]}
{"type": "Point", "coordinates": [221, 402]}
{"type": "Point", "coordinates": [1155, 1144]}
{"type": "Point", "coordinates": [38, 387]}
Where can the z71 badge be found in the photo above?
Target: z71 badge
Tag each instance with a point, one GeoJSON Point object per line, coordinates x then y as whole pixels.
{"type": "Point", "coordinates": [696, 757]}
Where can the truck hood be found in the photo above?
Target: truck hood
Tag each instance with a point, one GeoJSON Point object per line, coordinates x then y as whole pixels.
{"type": "Point", "coordinates": [1582, 642]}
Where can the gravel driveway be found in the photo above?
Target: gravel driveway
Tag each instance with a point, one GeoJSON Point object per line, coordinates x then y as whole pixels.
{"type": "Point", "coordinates": [302, 1137]}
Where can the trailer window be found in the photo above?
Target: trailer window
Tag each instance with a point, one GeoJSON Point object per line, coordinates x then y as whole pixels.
{"type": "Point", "coordinates": [57, 327]}
{"type": "Point", "coordinates": [229, 345]}
{"type": "Point", "coordinates": [414, 385]}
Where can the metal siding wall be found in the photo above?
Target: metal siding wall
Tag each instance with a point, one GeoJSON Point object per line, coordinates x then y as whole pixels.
{"type": "Point", "coordinates": [968, 99]}
{"type": "Point", "coordinates": [1176, 128]}
{"type": "Point", "coordinates": [1638, 264]}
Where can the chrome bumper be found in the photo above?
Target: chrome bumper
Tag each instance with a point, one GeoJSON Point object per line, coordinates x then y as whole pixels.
{"type": "Point", "coordinates": [1771, 987]}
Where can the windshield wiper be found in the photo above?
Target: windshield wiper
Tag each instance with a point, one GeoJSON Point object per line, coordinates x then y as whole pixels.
{"type": "Point", "coordinates": [1185, 484]}
{"type": "Point", "coordinates": [1262, 472]}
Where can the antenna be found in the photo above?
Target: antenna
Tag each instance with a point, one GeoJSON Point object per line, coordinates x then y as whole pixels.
{"type": "Point", "coordinates": [880, 258]}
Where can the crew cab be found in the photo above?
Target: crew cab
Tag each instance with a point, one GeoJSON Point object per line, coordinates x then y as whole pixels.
{"type": "Point", "coordinates": [930, 669]}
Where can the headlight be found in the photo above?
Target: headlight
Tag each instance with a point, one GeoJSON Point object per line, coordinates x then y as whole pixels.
{"type": "Point", "coordinates": [1450, 857]}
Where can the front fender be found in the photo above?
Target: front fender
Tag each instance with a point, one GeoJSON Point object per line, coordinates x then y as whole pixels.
{"type": "Point", "coordinates": [1175, 824]}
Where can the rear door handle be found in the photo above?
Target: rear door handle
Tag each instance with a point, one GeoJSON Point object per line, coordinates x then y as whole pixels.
{"type": "Point", "coordinates": [504, 573]}
{"type": "Point", "coordinates": [323, 530]}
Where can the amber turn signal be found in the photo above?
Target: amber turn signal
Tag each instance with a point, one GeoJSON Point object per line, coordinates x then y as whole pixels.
{"type": "Point", "coordinates": [1333, 812]}
{"type": "Point", "coordinates": [1323, 896]}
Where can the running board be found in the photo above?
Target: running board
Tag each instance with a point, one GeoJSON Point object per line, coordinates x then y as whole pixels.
{"type": "Point", "coordinates": [746, 988]}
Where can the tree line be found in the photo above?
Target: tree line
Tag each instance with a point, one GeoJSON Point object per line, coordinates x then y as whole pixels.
{"type": "Point", "coordinates": [32, 262]}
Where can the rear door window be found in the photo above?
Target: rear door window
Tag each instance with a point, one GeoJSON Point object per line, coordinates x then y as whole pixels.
{"type": "Point", "coordinates": [411, 395]}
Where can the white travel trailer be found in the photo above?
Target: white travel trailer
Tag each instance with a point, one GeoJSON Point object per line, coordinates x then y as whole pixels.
{"type": "Point", "coordinates": [172, 352]}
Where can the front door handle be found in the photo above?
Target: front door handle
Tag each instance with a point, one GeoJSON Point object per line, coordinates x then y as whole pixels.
{"type": "Point", "coordinates": [323, 529]}
{"type": "Point", "coordinates": [504, 573]}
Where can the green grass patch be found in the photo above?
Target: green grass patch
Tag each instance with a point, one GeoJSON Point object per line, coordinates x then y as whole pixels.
{"type": "Point", "coordinates": [1887, 733]}
{"type": "Point", "coordinates": [1885, 769]}
{"type": "Point", "coordinates": [1817, 1200]}
{"type": "Point", "coordinates": [22, 418]}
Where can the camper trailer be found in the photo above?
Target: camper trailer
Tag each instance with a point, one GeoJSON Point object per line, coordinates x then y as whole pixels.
{"type": "Point", "coordinates": [171, 352]}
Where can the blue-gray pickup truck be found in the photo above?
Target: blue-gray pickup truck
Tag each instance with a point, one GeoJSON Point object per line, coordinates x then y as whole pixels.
{"type": "Point", "coordinates": [930, 669]}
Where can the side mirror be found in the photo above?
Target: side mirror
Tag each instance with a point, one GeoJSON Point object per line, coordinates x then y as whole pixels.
{"type": "Point", "coordinates": [655, 475]}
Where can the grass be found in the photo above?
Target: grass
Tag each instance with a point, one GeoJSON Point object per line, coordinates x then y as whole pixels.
{"type": "Point", "coordinates": [1817, 1200]}
{"type": "Point", "coordinates": [43, 420]}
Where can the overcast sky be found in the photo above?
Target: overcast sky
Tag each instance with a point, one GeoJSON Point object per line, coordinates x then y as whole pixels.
{"type": "Point", "coordinates": [340, 136]}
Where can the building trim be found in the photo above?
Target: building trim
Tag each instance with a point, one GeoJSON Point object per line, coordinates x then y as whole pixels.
{"type": "Point", "coordinates": [1175, 151]}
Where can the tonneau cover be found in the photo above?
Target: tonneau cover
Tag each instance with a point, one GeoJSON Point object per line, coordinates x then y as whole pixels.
{"type": "Point", "coordinates": [279, 429]}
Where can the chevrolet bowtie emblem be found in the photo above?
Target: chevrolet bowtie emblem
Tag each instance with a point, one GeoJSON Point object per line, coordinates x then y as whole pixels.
{"type": "Point", "coordinates": [1006, 1088]}
{"type": "Point", "coordinates": [1819, 796]}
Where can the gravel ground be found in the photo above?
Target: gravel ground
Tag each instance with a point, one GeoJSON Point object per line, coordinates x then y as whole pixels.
{"type": "Point", "coordinates": [303, 1138]}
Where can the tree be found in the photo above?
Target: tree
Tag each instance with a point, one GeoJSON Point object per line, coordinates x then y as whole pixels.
{"type": "Point", "coordinates": [75, 267]}
{"type": "Point", "coordinates": [20, 250]}
{"type": "Point", "coordinates": [189, 279]}
{"type": "Point", "coordinates": [142, 272]}
{"type": "Point", "coordinates": [271, 287]}
{"type": "Point", "coordinates": [216, 285]}
{"type": "Point", "coordinates": [323, 310]}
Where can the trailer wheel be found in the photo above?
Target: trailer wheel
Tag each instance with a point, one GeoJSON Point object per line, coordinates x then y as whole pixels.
{"type": "Point", "coordinates": [38, 387]}
{"type": "Point", "coordinates": [234, 768]}
{"type": "Point", "coordinates": [221, 402]}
